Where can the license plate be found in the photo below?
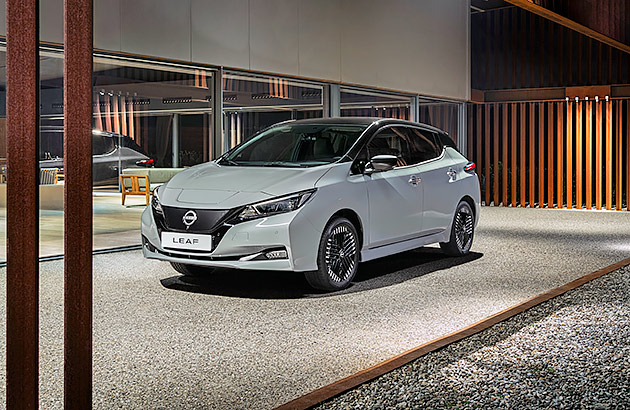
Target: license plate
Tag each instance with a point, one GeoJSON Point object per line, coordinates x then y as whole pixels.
{"type": "Point", "coordinates": [187, 241]}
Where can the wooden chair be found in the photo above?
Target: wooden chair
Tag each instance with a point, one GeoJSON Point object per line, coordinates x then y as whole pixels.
{"type": "Point", "coordinates": [134, 185]}
{"type": "Point", "coordinates": [48, 176]}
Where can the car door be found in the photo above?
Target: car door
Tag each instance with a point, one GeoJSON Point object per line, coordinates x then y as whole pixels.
{"type": "Point", "coordinates": [394, 196]}
{"type": "Point", "coordinates": [435, 169]}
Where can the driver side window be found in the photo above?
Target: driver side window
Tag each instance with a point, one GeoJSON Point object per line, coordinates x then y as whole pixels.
{"type": "Point", "coordinates": [391, 141]}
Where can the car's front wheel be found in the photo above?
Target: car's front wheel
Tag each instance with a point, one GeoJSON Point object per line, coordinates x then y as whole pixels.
{"type": "Point", "coordinates": [190, 270]}
{"type": "Point", "coordinates": [337, 257]}
{"type": "Point", "coordinates": [462, 231]}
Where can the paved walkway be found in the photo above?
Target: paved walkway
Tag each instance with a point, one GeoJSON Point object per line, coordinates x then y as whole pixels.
{"type": "Point", "coordinates": [257, 340]}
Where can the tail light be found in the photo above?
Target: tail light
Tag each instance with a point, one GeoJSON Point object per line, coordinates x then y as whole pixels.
{"type": "Point", "coordinates": [470, 168]}
{"type": "Point", "coordinates": [145, 162]}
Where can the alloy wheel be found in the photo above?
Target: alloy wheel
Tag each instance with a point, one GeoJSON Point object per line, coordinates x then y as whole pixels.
{"type": "Point", "coordinates": [464, 225]}
{"type": "Point", "coordinates": [340, 256]}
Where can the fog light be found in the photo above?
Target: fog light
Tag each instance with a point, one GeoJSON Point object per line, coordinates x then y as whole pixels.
{"type": "Point", "coordinates": [281, 254]}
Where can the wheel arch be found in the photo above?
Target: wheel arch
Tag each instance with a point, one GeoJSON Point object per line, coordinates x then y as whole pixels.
{"type": "Point", "coordinates": [353, 217]}
{"type": "Point", "coordinates": [471, 202]}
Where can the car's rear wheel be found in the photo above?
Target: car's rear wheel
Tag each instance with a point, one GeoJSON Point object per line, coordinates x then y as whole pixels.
{"type": "Point", "coordinates": [337, 257]}
{"type": "Point", "coordinates": [462, 231]}
{"type": "Point", "coordinates": [190, 270]}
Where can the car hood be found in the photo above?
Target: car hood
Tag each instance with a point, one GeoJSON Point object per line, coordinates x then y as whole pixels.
{"type": "Point", "coordinates": [215, 186]}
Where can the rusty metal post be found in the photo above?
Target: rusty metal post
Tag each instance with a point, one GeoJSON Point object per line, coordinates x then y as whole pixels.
{"type": "Point", "coordinates": [78, 204]}
{"type": "Point", "coordinates": [22, 203]}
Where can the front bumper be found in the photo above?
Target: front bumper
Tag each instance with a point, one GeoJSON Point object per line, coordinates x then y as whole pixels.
{"type": "Point", "coordinates": [243, 242]}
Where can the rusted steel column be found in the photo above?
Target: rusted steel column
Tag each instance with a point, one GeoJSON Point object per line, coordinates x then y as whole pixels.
{"type": "Point", "coordinates": [22, 203]}
{"type": "Point", "coordinates": [78, 204]}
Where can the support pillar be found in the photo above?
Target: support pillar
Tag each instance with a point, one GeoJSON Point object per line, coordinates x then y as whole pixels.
{"type": "Point", "coordinates": [175, 141]}
{"type": "Point", "coordinates": [22, 204]}
{"type": "Point", "coordinates": [78, 204]}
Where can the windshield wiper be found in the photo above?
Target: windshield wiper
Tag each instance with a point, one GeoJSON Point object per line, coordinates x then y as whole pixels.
{"type": "Point", "coordinates": [225, 161]}
{"type": "Point", "coordinates": [281, 164]}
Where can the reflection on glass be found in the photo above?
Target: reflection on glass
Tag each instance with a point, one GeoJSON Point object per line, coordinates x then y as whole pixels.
{"type": "Point", "coordinates": [442, 115]}
{"type": "Point", "coordinates": [252, 103]}
{"type": "Point", "coordinates": [363, 103]}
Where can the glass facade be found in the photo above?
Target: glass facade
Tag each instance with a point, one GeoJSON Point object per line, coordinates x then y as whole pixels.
{"type": "Point", "coordinates": [252, 103]}
{"type": "Point", "coordinates": [159, 114]}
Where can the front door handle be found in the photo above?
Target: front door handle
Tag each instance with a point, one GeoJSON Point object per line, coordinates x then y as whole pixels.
{"type": "Point", "coordinates": [451, 174]}
{"type": "Point", "coordinates": [414, 180]}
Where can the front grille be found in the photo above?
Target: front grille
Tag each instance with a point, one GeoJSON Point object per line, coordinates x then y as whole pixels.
{"type": "Point", "coordinates": [208, 220]}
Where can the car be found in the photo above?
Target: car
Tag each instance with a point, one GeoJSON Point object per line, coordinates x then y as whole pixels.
{"type": "Point", "coordinates": [111, 152]}
{"type": "Point", "coordinates": [317, 196]}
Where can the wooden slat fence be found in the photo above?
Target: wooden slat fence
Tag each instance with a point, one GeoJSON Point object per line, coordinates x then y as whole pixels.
{"type": "Point", "coordinates": [552, 154]}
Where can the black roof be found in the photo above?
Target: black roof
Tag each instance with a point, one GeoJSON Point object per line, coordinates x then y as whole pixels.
{"type": "Point", "coordinates": [365, 121]}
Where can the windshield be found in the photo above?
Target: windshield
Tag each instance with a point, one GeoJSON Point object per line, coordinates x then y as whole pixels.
{"type": "Point", "coordinates": [296, 145]}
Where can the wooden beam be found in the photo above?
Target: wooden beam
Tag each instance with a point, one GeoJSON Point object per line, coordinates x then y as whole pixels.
{"type": "Point", "coordinates": [532, 155]}
{"type": "Point", "coordinates": [589, 154]}
{"type": "Point", "coordinates": [560, 164]}
{"type": "Point", "coordinates": [523, 153]}
{"type": "Point", "coordinates": [609, 158]}
{"type": "Point", "coordinates": [513, 163]}
{"type": "Point", "coordinates": [619, 156]}
{"type": "Point", "coordinates": [570, 24]}
{"type": "Point", "coordinates": [598, 155]}
{"type": "Point", "coordinates": [487, 161]}
{"type": "Point", "coordinates": [578, 155]}
{"type": "Point", "coordinates": [541, 155]}
{"type": "Point", "coordinates": [495, 153]}
{"type": "Point", "coordinates": [504, 152]}
{"type": "Point", "coordinates": [569, 157]}
{"type": "Point", "coordinates": [550, 166]}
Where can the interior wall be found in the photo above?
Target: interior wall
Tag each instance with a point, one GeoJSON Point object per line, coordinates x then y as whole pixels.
{"type": "Point", "coordinates": [418, 46]}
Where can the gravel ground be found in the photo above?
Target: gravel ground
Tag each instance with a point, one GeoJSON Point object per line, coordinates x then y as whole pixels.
{"type": "Point", "coordinates": [570, 352]}
{"type": "Point", "coordinates": [254, 340]}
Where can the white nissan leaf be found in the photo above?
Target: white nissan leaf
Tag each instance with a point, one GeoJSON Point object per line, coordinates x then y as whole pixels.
{"type": "Point", "coordinates": [317, 196]}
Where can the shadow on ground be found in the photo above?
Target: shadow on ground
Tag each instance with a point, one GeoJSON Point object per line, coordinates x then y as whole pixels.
{"type": "Point", "coordinates": [289, 285]}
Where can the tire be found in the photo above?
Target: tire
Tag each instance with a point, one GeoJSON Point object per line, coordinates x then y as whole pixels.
{"type": "Point", "coordinates": [462, 231]}
{"type": "Point", "coordinates": [337, 256]}
{"type": "Point", "coordinates": [190, 270]}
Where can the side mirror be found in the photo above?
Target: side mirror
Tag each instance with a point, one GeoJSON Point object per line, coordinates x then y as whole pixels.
{"type": "Point", "coordinates": [381, 163]}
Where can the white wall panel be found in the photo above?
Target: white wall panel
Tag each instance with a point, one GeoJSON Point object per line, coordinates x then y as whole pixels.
{"type": "Point", "coordinates": [156, 28]}
{"type": "Point", "coordinates": [412, 45]}
{"type": "Point", "coordinates": [107, 24]}
{"type": "Point", "coordinates": [51, 20]}
{"type": "Point", "coordinates": [320, 39]}
{"type": "Point", "coordinates": [220, 32]}
{"type": "Point", "coordinates": [273, 36]}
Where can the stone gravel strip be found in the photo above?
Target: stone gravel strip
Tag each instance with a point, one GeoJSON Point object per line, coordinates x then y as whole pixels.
{"type": "Point", "coordinates": [570, 352]}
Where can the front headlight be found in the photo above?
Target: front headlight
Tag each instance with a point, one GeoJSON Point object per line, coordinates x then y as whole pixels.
{"type": "Point", "coordinates": [275, 206]}
{"type": "Point", "coordinates": [155, 201]}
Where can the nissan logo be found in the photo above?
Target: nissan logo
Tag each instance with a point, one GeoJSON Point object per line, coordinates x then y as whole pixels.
{"type": "Point", "coordinates": [189, 218]}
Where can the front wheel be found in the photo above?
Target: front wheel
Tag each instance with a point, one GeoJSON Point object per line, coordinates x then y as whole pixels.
{"type": "Point", "coordinates": [190, 270]}
{"type": "Point", "coordinates": [462, 231]}
{"type": "Point", "coordinates": [337, 257]}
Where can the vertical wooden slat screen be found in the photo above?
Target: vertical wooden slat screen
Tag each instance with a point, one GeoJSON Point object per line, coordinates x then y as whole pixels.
{"type": "Point", "coordinates": [609, 155]}
{"type": "Point", "coordinates": [550, 153]}
{"type": "Point", "coordinates": [589, 155]}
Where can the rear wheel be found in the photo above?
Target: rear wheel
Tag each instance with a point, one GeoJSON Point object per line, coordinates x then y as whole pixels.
{"type": "Point", "coordinates": [337, 257]}
{"type": "Point", "coordinates": [190, 270]}
{"type": "Point", "coordinates": [462, 231]}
